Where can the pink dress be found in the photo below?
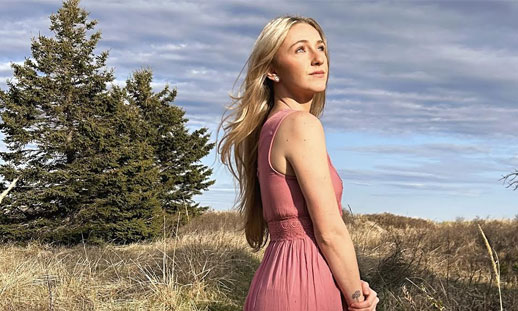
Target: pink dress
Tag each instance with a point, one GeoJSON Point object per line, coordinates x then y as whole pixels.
{"type": "Point", "coordinates": [293, 274]}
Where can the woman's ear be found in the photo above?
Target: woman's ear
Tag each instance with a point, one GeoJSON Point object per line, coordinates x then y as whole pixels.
{"type": "Point", "coordinates": [270, 74]}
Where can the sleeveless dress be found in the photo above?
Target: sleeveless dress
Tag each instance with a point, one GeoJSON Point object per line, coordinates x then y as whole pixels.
{"type": "Point", "coordinates": [293, 274]}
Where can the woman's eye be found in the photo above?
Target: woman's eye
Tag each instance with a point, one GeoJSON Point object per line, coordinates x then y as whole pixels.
{"type": "Point", "coordinates": [302, 48]}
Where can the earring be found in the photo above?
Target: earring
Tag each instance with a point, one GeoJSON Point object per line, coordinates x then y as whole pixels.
{"type": "Point", "coordinates": [276, 78]}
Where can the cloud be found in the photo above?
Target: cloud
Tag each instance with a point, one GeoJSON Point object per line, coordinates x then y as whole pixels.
{"type": "Point", "coordinates": [423, 150]}
{"type": "Point", "coordinates": [399, 67]}
{"type": "Point", "coordinates": [399, 70]}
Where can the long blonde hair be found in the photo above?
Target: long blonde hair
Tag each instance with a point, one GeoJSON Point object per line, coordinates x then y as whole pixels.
{"type": "Point", "coordinates": [248, 112]}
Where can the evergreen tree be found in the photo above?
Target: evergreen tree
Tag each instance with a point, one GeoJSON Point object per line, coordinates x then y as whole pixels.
{"type": "Point", "coordinates": [50, 117]}
{"type": "Point", "coordinates": [176, 151]}
{"type": "Point", "coordinates": [119, 201]}
{"type": "Point", "coordinates": [90, 161]}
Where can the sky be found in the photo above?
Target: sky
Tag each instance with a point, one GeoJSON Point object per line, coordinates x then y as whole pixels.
{"type": "Point", "coordinates": [421, 110]}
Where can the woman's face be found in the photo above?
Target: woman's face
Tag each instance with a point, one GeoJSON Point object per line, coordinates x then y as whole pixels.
{"type": "Point", "coordinates": [301, 53]}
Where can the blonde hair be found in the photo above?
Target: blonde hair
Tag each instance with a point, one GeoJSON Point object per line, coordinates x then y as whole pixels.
{"type": "Point", "coordinates": [248, 113]}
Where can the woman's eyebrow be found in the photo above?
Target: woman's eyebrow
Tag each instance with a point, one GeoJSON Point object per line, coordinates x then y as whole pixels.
{"type": "Point", "coordinates": [319, 41]}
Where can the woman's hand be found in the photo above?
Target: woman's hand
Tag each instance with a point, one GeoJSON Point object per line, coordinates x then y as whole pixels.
{"type": "Point", "coordinates": [370, 302]}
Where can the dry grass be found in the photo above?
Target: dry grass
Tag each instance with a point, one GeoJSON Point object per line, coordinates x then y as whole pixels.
{"type": "Point", "coordinates": [413, 264]}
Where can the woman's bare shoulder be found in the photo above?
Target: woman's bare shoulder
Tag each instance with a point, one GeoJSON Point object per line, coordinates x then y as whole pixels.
{"type": "Point", "coordinates": [302, 125]}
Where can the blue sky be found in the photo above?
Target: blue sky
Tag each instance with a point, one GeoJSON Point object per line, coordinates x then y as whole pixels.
{"type": "Point", "coordinates": [421, 113]}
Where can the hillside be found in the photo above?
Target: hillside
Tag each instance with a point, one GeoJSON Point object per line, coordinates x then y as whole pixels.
{"type": "Point", "coordinates": [413, 264]}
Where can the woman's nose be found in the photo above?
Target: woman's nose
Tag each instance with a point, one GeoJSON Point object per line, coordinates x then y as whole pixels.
{"type": "Point", "coordinates": [318, 57]}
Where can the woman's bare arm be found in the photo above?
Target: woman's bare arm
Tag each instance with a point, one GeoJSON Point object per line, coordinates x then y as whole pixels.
{"type": "Point", "coordinates": [307, 154]}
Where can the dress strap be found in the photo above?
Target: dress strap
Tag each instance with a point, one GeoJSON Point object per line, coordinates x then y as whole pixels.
{"type": "Point", "coordinates": [278, 117]}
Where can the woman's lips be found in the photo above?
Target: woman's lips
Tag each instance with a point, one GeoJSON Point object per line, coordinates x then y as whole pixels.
{"type": "Point", "coordinates": [318, 75]}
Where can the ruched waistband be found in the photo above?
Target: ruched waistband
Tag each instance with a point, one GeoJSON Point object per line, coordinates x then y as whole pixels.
{"type": "Point", "coordinates": [291, 228]}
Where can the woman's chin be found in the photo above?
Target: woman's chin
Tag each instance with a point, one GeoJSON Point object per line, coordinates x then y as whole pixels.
{"type": "Point", "coordinates": [319, 89]}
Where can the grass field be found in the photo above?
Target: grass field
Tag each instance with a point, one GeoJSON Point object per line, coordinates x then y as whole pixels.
{"type": "Point", "coordinates": [413, 264]}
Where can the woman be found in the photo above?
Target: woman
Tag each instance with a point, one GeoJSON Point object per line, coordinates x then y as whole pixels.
{"type": "Point", "coordinates": [288, 185]}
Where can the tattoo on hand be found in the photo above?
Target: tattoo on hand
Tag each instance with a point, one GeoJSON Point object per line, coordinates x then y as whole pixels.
{"type": "Point", "coordinates": [356, 295]}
